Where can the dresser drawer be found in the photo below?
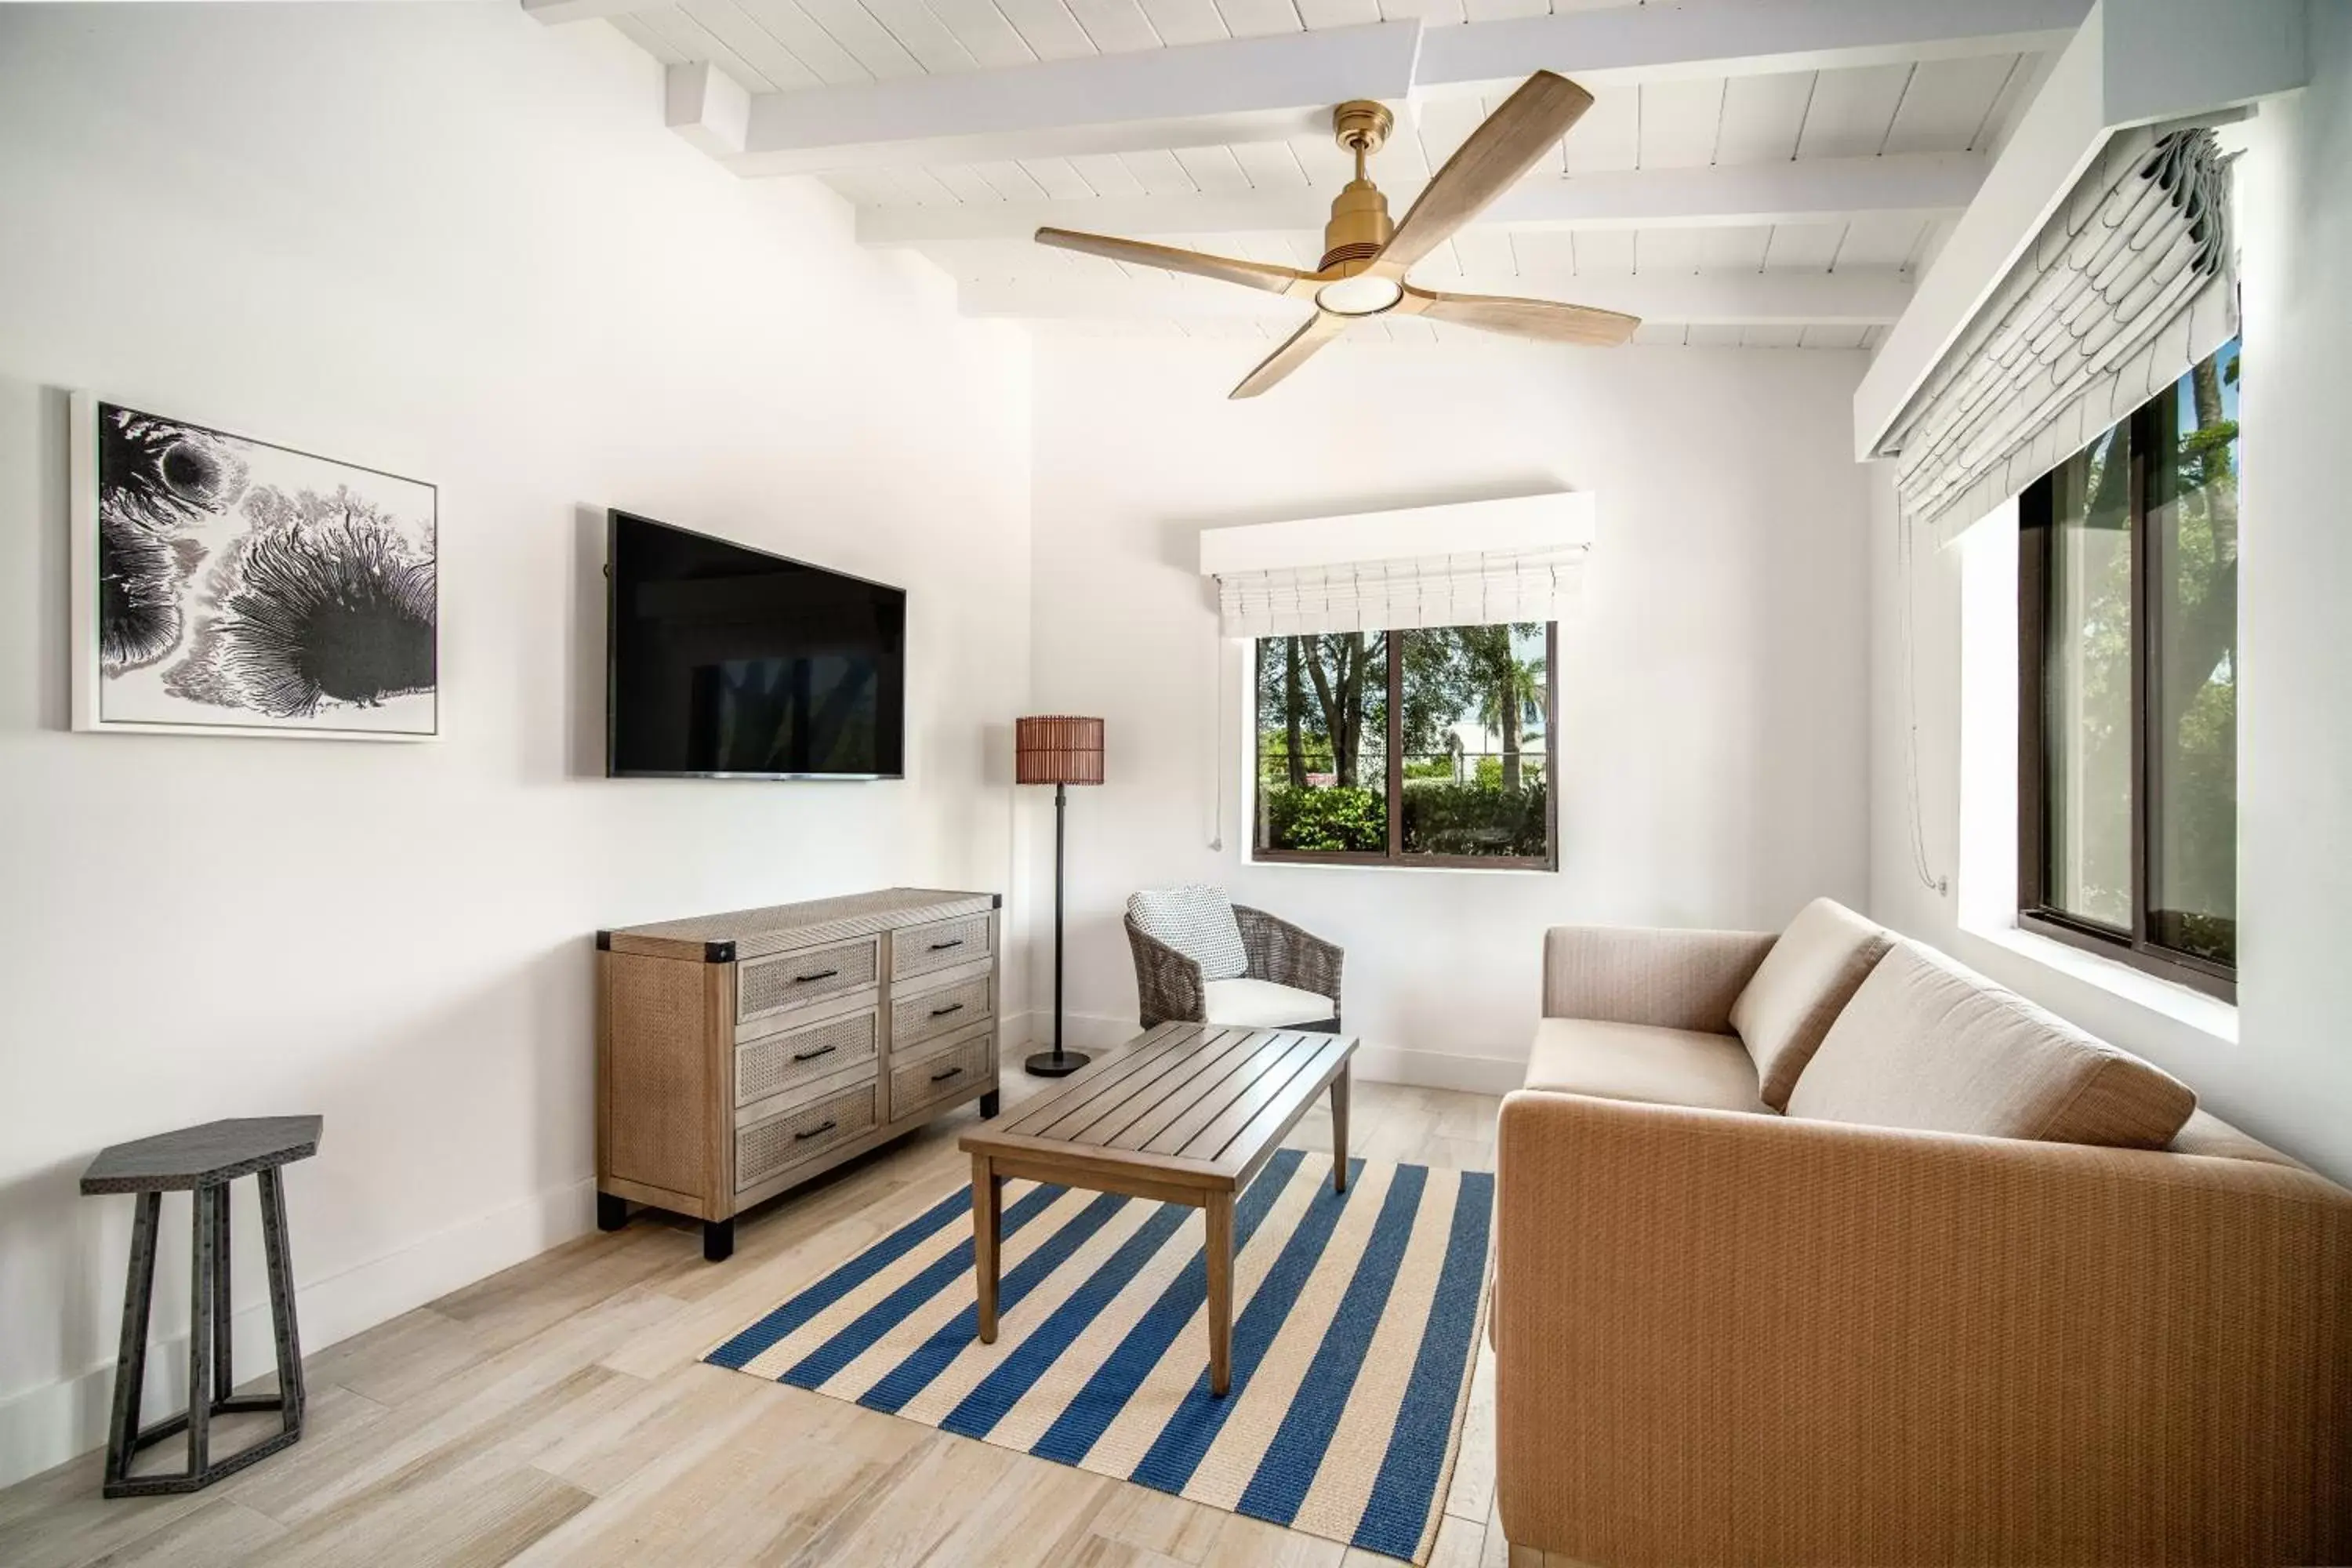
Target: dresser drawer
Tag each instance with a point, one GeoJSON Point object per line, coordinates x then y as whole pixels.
{"type": "Point", "coordinates": [766, 1149]}
{"type": "Point", "coordinates": [941, 1074]}
{"type": "Point", "coordinates": [914, 1019]}
{"type": "Point", "coordinates": [784, 981]}
{"type": "Point", "coordinates": [775, 1063]}
{"type": "Point", "coordinates": [922, 950]}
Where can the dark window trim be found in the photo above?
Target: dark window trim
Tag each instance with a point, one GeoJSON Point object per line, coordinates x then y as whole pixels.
{"type": "Point", "coordinates": [1397, 858]}
{"type": "Point", "coordinates": [2037, 536]}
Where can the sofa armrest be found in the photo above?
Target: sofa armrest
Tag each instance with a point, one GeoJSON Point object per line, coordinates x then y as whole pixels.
{"type": "Point", "coordinates": [1752, 1339]}
{"type": "Point", "coordinates": [1167, 984]}
{"type": "Point", "coordinates": [1667, 979]}
{"type": "Point", "coordinates": [1289, 955]}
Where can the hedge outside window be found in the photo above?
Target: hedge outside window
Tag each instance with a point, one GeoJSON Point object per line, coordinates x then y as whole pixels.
{"type": "Point", "coordinates": [1457, 773]}
{"type": "Point", "coordinates": [2128, 662]}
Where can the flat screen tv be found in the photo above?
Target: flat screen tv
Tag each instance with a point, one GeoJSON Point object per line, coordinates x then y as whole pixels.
{"type": "Point", "coordinates": [732, 663]}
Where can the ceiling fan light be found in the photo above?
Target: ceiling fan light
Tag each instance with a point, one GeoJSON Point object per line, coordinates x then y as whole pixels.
{"type": "Point", "coordinates": [1365, 294]}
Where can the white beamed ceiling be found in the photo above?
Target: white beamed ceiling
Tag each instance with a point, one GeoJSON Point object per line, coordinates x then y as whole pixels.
{"type": "Point", "coordinates": [1701, 181]}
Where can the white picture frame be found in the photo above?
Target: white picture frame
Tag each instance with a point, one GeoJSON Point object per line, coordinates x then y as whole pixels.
{"type": "Point", "coordinates": [260, 604]}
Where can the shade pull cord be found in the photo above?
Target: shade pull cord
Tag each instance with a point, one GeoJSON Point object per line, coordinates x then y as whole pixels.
{"type": "Point", "coordinates": [1904, 551]}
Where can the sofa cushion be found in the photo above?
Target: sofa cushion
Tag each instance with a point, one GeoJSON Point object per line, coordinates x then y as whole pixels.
{"type": "Point", "coordinates": [1198, 921]}
{"type": "Point", "coordinates": [1263, 1004]}
{"type": "Point", "coordinates": [1798, 990]}
{"type": "Point", "coordinates": [1642, 1062]}
{"type": "Point", "coordinates": [1929, 1045]}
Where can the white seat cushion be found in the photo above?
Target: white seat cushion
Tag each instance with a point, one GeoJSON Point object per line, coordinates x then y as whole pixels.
{"type": "Point", "coordinates": [1263, 1004]}
{"type": "Point", "coordinates": [1645, 1063]}
{"type": "Point", "coordinates": [1198, 921]}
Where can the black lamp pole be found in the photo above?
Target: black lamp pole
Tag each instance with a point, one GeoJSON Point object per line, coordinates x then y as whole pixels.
{"type": "Point", "coordinates": [1057, 1062]}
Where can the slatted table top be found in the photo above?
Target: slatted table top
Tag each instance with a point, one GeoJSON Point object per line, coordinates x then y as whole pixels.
{"type": "Point", "coordinates": [1193, 1104]}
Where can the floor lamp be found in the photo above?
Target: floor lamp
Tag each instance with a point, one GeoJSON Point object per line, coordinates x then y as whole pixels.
{"type": "Point", "coordinates": [1060, 751]}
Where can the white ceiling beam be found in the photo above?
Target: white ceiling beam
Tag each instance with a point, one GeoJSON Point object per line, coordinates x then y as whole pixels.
{"type": "Point", "coordinates": [1817, 190]}
{"type": "Point", "coordinates": [580, 10]}
{"type": "Point", "coordinates": [1859, 296]}
{"type": "Point", "coordinates": [707, 107]}
{"type": "Point", "coordinates": [1624, 44]}
{"type": "Point", "coordinates": [1237, 89]}
{"type": "Point", "coordinates": [1283, 85]}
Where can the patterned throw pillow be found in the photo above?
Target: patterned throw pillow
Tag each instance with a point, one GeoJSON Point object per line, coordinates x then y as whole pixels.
{"type": "Point", "coordinates": [1198, 921]}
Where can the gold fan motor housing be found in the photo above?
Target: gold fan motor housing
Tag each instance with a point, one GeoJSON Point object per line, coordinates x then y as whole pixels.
{"type": "Point", "coordinates": [1359, 222]}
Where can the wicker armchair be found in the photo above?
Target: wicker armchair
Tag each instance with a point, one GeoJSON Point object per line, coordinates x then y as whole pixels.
{"type": "Point", "coordinates": [1169, 985]}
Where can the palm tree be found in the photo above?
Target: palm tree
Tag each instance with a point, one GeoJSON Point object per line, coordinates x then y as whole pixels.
{"type": "Point", "coordinates": [1511, 691]}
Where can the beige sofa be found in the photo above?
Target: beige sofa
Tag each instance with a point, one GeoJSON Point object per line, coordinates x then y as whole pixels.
{"type": "Point", "coordinates": [1821, 1249]}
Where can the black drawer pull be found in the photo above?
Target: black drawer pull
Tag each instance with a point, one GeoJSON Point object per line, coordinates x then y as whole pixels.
{"type": "Point", "coordinates": [943, 1076]}
{"type": "Point", "coordinates": [812, 1056]}
{"type": "Point", "coordinates": [820, 974]}
{"type": "Point", "coordinates": [943, 1012]}
{"type": "Point", "coordinates": [943, 946]}
{"type": "Point", "coordinates": [814, 1132]}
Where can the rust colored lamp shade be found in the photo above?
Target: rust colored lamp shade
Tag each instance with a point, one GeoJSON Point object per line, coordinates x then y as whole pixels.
{"type": "Point", "coordinates": [1056, 749]}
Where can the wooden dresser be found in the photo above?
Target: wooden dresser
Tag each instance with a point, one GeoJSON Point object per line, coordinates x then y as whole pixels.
{"type": "Point", "coordinates": [741, 1053]}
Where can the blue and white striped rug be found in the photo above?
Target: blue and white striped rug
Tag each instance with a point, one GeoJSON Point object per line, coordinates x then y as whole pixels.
{"type": "Point", "coordinates": [1355, 1321]}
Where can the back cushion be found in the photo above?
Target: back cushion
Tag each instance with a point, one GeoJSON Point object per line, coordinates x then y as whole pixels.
{"type": "Point", "coordinates": [1197, 922]}
{"type": "Point", "coordinates": [1804, 984]}
{"type": "Point", "coordinates": [1927, 1043]}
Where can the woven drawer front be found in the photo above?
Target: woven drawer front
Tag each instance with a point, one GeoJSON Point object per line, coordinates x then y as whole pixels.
{"type": "Point", "coordinates": [941, 1011]}
{"type": "Point", "coordinates": [919, 950]}
{"type": "Point", "coordinates": [770, 1066]}
{"type": "Point", "coordinates": [765, 1148]}
{"type": "Point", "coordinates": [957, 1068]}
{"type": "Point", "coordinates": [789, 980]}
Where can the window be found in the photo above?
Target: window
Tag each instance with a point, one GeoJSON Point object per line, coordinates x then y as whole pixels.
{"type": "Point", "coordinates": [1458, 773]}
{"type": "Point", "coordinates": [2128, 702]}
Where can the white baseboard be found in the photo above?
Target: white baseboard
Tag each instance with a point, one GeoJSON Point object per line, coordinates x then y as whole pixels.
{"type": "Point", "coordinates": [44, 1426]}
{"type": "Point", "coordinates": [1440, 1070]}
{"type": "Point", "coordinates": [1375, 1064]}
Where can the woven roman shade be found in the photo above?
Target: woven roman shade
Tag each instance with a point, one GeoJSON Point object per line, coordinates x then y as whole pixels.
{"type": "Point", "coordinates": [2127, 285]}
{"type": "Point", "coordinates": [1374, 596]}
{"type": "Point", "coordinates": [1469, 564]}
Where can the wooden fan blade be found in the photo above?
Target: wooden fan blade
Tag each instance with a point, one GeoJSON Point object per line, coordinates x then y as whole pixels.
{"type": "Point", "coordinates": [1546, 318]}
{"type": "Point", "coordinates": [1513, 140]}
{"type": "Point", "coordinates": [1223, 268]}
{"type": "Point", "coordinates": [1320, 329]}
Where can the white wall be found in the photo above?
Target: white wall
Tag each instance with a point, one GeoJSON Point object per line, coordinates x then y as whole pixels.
{"type": "Point", "coordinates": [450, 242]}
{"type": "Point", "coordinates": [1712, 698]}
{"type": "Point", "coordinates": [2282, 1067]}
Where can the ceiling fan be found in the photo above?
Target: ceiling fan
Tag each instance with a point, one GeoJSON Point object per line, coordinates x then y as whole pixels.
{"type": "Point", "coordinates": [1365, 256]}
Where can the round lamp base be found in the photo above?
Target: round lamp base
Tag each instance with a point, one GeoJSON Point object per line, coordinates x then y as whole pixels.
{"type": "Point", "coordinates": [1047, 1064]}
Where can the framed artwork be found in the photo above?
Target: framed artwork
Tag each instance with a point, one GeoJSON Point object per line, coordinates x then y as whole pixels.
{"type": "Point", "coordinates": [226, 587]}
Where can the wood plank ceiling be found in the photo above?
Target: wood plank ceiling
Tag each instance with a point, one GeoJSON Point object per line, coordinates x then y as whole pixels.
{"type": "Point", "coordinates": [1831, 184]}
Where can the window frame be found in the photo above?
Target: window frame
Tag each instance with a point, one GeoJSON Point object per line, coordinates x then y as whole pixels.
{"type": "Point", "coordinates": [1395, 856]}
{"type": "Point", "coordinates": [2037, 536]}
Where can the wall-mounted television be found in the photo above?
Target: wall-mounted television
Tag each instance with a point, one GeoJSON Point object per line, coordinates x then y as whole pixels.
{"type": "Point", "coordinates": [725, 662]}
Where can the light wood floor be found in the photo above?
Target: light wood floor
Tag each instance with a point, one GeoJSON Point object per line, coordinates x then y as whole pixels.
{"type": "Point", "coordinates": [556, 1413]}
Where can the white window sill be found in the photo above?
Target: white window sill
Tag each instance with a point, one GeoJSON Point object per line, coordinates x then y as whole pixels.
{"type": "Point", "coordinates": [1405, 866]}
{"type": "Point", "coordinates": [2206, 1014]}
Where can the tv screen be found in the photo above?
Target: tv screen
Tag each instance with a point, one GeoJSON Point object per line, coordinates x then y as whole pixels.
{"type": "Point", "coordinates": [734, 663]}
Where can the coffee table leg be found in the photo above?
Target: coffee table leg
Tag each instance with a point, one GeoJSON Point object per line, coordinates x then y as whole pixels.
{"type": "Point", "coordinates": [987, 1204]}
{"type": "Point", "coordinates": [1220, 1210]}
{"type": "Point", "coordinates": [1339, 1130]}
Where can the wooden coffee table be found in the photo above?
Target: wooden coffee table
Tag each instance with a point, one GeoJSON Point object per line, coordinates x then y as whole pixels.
{"type": "Point", "coordinates": [1186, 1113]}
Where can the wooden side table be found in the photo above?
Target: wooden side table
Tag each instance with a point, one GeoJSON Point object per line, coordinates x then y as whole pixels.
{"type": "Point", "coordinates": [203, 1161]}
